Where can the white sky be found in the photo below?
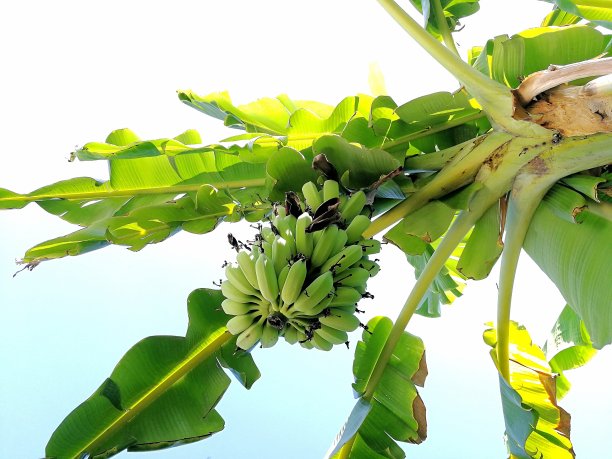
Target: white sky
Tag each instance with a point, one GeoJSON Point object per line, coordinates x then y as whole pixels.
{"type": "Point", "coordinates": [73, 71]}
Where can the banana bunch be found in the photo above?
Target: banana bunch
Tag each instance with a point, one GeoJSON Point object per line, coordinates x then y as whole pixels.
{"type": "Point", "coordinates": [303, 275]}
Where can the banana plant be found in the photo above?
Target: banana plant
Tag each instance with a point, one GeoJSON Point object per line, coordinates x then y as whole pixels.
{"type": "Point", "coordinates": [517, 157]}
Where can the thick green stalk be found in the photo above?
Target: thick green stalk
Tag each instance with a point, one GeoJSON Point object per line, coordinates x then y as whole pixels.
{"type": "Point", "coordinates": [458, 172]}
{"type": "Point", "coordinates": [530, 186]}
{"type": "Point", "coordinates": [176, 189]}
{"type": "Point", "coordinates": [495, 99]}
{"type": "Point", "coordinates": [447, 36]}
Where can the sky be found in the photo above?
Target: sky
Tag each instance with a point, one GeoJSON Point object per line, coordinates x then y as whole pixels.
{"type": "Point", "coordinates": [74, 71]}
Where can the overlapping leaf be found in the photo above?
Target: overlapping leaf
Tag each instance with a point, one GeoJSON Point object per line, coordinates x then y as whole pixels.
{"type": "Point", "coordinates": [454, 10]}
{"type": "Point", "coordinates": [396, 411]}
{"type": "Point", "coordinates": [598, 12]}
{"type": "Point", "coordinates": [162, 393]}
{"type": "Point", "coordinates": [508, 59]}
{"type": "Point", "coordinates": [569, 346]}
{"type": "Point", "coordinates": [536, 427]}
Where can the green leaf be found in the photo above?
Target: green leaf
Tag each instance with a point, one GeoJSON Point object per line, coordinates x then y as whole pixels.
{"type": "Point", "coordinates": [536, 427]}
{"type": "Point", "coordinates": [454, 10]}
{"type": "Point", "coordinates": [396, 411]}
{"type": "Point", "coordinates": [359, 167]}
{"type": "Point", "coordinates": [507, 60]}
{"type": "Point", "coordinates": [559, 18]}
{"type": "Point", "coordinates": [288, 170]}
{"type": "Point", "coordinates": [484, 246]}
{"type": "Point", "coordinates": [571, 253]}
{"type": "Point", "coordinates": [597, 11]}
{"type": "Point", "coordinates": [569, 346]}
{"type": "Point", "coordinates": [162, 393]}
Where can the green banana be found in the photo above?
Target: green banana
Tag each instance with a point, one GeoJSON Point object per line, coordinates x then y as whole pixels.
{"type": "Point", "coordinates": [340, 319]}
{"type": "Point", "coordinates": [230, 291]}
{"type": "Point", "coordinates": [370, 246]}
{"type": "Point", "coordinates": [236, 308]}
{"type": "Point", "coordinates": [247, 265]}
{"type": "Point", "coordinates": [372, 267]}
{"type": "Point", "coordinates": [341, 240]}
{"type": "Point", "coordinates": [267, 234]}
{"type": "Point", "coordinates": [267, 279]}
{"type": "Point", "coordinates": [320, 343]}
{"type": "Point", "coordinates": [331, 190]}
{"type": "Point", "coordinates": [353, 277]}
{"type": "Point", "coordinates": [333, 335]}
{"type": "Point", "coordinates": [282, 277]}
{"type": "Point", "coordinates": [356, 228]}
{"type": "Point", "coordinates": [343, 260]}
{"type": "Point", "coordinates": [353, 206]}
{"type": "Point", "coordinates": [291, 335]}
{"type": "Point", "coordinates": [286, 226]}
{"type": "Point", "coordinates": [281, 254]}
{"type": "Point", "coordinates": [238, 280]}
{"type": "Point", "coordinates": [294, 283]}
{"type": "Point", "coordinates": [312, 295]}
{"type": "Point", "coordinates": [324, 246]}
{"type": "Point", "coordinates": [303, 240]}
{"type": "Point", "coordinates": [312, 196]}
{"type": "Point", "coordinates": [248, 338]}
{"type": "Point", "coordinates": [269, 335]}
{"type": "Point", "coordinates": [345, 296]}
{"type": "Point", "coordinates": [238, 324]}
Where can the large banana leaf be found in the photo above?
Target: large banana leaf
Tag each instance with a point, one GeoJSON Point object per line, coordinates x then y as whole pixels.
{"type": "Point", "coordinates": [509, 59]}
{"type": "Point", "coordinates": [454, 10]}
{"type": "Point", "coordinates": [571, 244]}
{"type": "Point", "coordinates": [163, 391]}
{"type": "Point", "coordinates": [599, 12]}
{"type": "Point", "coordinates": [396, 411]}
{"type": "Point", "coordinates": [536, 427]}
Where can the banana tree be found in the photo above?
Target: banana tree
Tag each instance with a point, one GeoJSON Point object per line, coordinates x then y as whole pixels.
{"type": "Point", "coordinates": [517, 157]}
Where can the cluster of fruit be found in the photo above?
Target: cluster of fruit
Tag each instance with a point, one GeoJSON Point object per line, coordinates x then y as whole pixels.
{"type": "Point", "coordinates": [303, 275]}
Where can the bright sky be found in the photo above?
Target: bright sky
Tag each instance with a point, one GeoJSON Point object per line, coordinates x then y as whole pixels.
{"type": "Point", "coordinates": [73, 71]}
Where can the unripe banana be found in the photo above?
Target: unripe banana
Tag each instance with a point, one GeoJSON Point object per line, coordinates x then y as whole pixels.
{"type": "Point", "coordinates": [343, 260]}
{"type": "Point", "coordinates": [266, 248]}
{"type": "Point", "coordinates": [324, 246]}
{"type": "Point", "coordinates": [320, 343]}
{"type": "Point", "coordinates": [345, 296]}
{"type": "Point", "coordinates": [291, 335]}
{"type": "Point", "coordinates": [247, 265]}
{"type": "Point", "coordinates": [356, 228]}
{"type": "Point", "coordinates": [331, 189]}
{"type": "Point", "coordinates": [332, 335]}
{"type": "Point", "coordinates": [370, 246]}
{"type": "Point", "coordinates": [314, 293]}
{"type": "Point", "coordinates": [238, 280]}
{"type": "Point", "coordinates": [372, 267]}
{"type": "Point", "coordinates": [282, 277]}
{"type": "Point", "coordinates": [267, 280]}
{"type": "Point", "coordinates": [238, 324]}
{"type": "Point", "coordinates": [230, 291]}
{"type": "Point", "coordinates": [353, 206]}
{"type": "Point", "coordinates": [286, 226]}
{"type": "Point", "coordinates": [353, 277]}
{"type": "Point", "coordinates": [269, 335]}
{"type": "Point", "coordinates": [316, 309]}
{"type": "Point", "coordinates": [281, 254]}
{"type": "Point", "coordinates": [267, 234]}
{"type": "Point", "coordinates": [340, 319]}
{"type": "Point", "coordinates": [251, 335]}
{"type": "Point", "coordinates": [311, 195]}
{"type": "Point", "coordinates": [294, 283]}
{"type": "Point", "coordinates": [280, 211]}
{"type": "Point", "coordinates": [341, 240]}
{"type": "Point", "coordinates": [303, 240]}
{"type": "Point", "coordinates": [235, 308]}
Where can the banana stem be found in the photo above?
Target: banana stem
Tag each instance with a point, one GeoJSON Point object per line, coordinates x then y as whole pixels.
{"type": "Point", "coordinates": [530, 186]}
{"type": "Point", "coordinates": [458, 172]}
{"type": "Point", "coordinates": [447, 36]}
{"type": "Point", "coordinates": [452, 239]}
